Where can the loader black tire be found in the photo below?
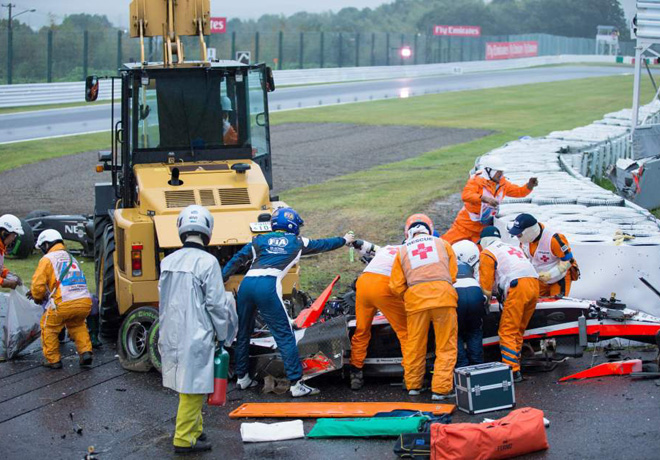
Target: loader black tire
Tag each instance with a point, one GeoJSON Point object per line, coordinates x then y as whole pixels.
{"type": "Point", "coordinates": [100, 224]}
{"type": "Point", "coordinates": [133, 338]}
{"type": "Point", "coordinates": [152, 346]}
{"type": "Point", "coordinates": [25, 243]}
{"type": "Point", "coordinates": [108, 309]}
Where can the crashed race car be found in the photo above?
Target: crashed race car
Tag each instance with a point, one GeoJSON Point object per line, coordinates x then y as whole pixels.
{"type": "Point", "coordinates": [561, 327]}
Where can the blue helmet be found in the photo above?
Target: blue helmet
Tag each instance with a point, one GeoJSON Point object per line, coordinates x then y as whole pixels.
{"type": "Point", "coordinates": [286, 219]}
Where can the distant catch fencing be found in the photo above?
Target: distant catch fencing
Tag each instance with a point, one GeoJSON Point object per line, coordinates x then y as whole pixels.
{"type": "Point", "coordinates": [50, 56]}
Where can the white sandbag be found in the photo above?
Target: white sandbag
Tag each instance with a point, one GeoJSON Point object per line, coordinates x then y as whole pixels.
{"type": "Point", "coordinates": [263, 432]}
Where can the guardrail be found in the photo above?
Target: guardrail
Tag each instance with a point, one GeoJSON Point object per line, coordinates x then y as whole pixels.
{"type": "Point", "coordinates": [62, 93]}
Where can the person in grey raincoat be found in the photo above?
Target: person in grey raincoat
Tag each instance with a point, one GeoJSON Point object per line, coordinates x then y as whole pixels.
{"type": "Point", "coordinates": [195, 311]}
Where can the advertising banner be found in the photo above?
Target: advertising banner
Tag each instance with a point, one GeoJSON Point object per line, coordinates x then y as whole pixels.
{"type": "Point", "coordinates": [511, 50]}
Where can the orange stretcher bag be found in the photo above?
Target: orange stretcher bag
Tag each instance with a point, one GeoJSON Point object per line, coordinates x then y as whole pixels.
{"type": "Point", "coordinates": [519, 433]}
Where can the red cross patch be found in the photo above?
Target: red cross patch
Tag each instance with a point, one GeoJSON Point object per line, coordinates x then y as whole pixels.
{"type": "Point", "coordinates": [392, 251]}
{"type": "Point", "coordinates": [422, 251]}
{"type": "Point", "coordinates": [544, 258]}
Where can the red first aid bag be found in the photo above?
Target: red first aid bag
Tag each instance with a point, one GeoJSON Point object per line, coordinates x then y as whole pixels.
{"type": "Point", "coordinates": [519, 433]}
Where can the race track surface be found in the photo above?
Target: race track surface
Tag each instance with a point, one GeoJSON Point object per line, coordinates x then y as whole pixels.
{"type": "Point", "coordinates": [77, 120]}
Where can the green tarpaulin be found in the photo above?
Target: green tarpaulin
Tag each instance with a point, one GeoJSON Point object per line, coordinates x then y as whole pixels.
{"type": "Point", "coordinates": [366, 427]}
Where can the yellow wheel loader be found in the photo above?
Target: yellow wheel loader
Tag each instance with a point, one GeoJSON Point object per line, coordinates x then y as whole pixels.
{"type": "Point", "coordinates": [188, 132]}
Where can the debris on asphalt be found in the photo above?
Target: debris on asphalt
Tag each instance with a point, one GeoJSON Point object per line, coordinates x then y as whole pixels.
{"type": "Point", "coordinates": [275, 385]}
{"type": "Point", "coordinates": [601, 370]}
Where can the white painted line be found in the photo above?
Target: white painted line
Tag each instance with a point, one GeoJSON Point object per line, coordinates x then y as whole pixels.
{"type": "Point", "coordinates": [53, 137]}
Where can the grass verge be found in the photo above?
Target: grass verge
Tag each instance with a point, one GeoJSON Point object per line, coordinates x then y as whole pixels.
{"type": "Point", "coordinates": [374, 203]}
{"type": "Point", "coordinates": [23, 153]}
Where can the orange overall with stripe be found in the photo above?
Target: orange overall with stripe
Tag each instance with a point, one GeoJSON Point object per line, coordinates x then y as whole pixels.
{"type": "Point", "coordinates": [69, 304]}
{"type": "Point", "coordinates": [475, 214]}
{"type": "Point", "coordinates": [506, 267]}
{"type": "Point", "coordinates": [423, 274]}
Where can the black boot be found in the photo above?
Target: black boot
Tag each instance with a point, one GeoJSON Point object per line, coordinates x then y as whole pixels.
{"type": "Point", "coordinates": [93, 328]}
{"type": "Point", "coordinates": [57, 365]}
{"type": "Point", "coordinates": [518, 377]}
{"type": "Point", "coordinates": [357, 379]}
{"type": "Point", "coordinates": [200, 446]}
{"type": "Point", "coordinates": [86, 359]}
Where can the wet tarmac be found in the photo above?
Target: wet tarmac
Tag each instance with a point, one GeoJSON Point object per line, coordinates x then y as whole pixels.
{"type": "Point", "coordinates": [58, 414]}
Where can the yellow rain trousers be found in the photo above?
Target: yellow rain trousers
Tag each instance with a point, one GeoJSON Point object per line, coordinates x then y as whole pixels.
{"type": "Point", "coordinates": [189, 419]}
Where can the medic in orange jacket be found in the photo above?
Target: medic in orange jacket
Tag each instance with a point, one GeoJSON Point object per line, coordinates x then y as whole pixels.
{"type": "Point", "coordinates": [423, 274]}
{"type": "Point", "coordinates": [69, 301]}
{"type": "Point", "coordinates": [372, 293]}
{"type": "Point", "coordinates": [505, 267]}
{"type": "Point", "coordinates": [549, 253]}
{"type": "Point", "coordinates": [481, 197]}
{"type": "Point", "coordinates": [10, 229]}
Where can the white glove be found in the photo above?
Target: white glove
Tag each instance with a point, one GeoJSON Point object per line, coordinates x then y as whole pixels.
{"type": "Point", "coordinates": [544, 277]}
{"type": "Point", "coordinates": [349, 237]}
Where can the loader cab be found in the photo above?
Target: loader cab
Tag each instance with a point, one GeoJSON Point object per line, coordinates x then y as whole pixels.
{"type": "Point", "coordinates": [190, 114]}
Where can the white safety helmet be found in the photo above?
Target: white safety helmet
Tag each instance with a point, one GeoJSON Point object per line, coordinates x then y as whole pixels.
{"type": "Point", "coordinates": [195, 219]}
{"type": "Point", "coordinates": [467, 252]}
{"type": "Point", "coordinates": [491, 164]}
{"type": "Point", "coordinates": [11, 224]}
{"type": "Point", "coordinates": [226, 104]}
{"type": "Point", "coordinates": [48, 236]}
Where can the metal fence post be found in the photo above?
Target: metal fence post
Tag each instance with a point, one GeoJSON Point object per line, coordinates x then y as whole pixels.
{"type": "Point", "coordinates": [279, 52]}
{"type": "Point", "coordinates": [373, 49]}
{"type": "Point", "coordinates": [387, 49]}
{"type": "Point", "coordinates": [403, 37]}
{"type": "Point", "coordinates": [256, 47]}
{"type": "Point", "coordinates": [233, 45]}
{"type": "Point", "coordinates": [321, 49]}
{"type": "Point", "coordinates": [85, 53]}
{"type": "Point", "coordinates": [49, 57]}
{"type": "Point", "coordinates": [415, 50]}
{"type": "Point", "coordinates": [119, 56]}
{"type": "Point", "coordinates": [301, 57]}
{"type": "Point", "coordinates": [340, 58]}
{"type": "Point", "coordinates": [10, 50]}
{"type": "Point", "coordinates": [357, 50]}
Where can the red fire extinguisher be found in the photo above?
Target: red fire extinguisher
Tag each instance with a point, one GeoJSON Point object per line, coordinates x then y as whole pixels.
{"type": "Point", "coordinates": [220, 372]}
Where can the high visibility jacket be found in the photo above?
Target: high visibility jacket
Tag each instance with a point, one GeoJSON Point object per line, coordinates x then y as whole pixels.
{"type": "Point", "coordinates": [502, 264]}
{"type": "Point", "coordinates": [423, 272]}
{"type": "Point", "coordinates": [73, 286]}
{"type": "Point", "coordinates": [547, 251]}
{"type": "Point", "coordinates": [229, 136]}
{"type": "Point", "coordinates": [475, 214]}
{"type": "Point", "coordinates": [383, 261]}
{"type": "Point", "coordinates": [3, 271]}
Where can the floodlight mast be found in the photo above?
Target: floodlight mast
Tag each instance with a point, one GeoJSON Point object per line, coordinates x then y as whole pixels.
{"type": "Point", "coordinates": [646, 29]}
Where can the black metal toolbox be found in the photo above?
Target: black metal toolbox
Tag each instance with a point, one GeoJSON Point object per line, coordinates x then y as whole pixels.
{"type": "Point", "coordinates": [484, 388]}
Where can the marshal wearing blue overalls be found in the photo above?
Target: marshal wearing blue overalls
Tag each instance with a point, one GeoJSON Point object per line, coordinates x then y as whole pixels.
{"type": "Point", "coordinates": [272, 255]}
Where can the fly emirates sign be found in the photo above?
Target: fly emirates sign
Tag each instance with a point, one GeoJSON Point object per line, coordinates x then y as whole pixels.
{"type": "Point", "coordinates": [457, 31]}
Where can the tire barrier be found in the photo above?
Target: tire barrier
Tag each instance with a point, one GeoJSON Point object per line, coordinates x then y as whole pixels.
{"type": "Point", "coordinates": [566, 198]}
